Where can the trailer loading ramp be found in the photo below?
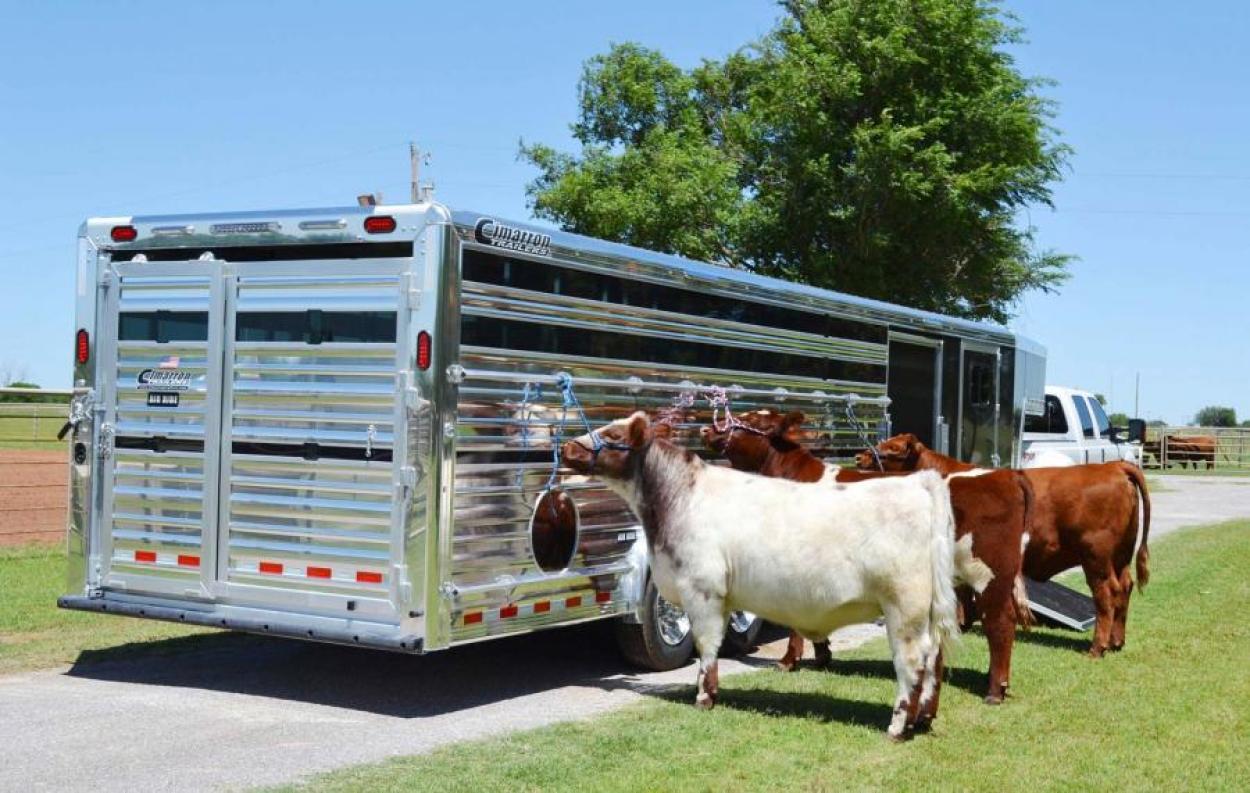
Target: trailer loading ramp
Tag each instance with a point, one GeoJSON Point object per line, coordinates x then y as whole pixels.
{"type": "Point", "coordinates": [1060, 604]}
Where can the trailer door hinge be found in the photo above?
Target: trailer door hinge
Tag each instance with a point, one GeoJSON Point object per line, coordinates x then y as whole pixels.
{"type": "Point", "coordinates": [107, 431]}
{"type": "Point", "coordinates": [412, 295]}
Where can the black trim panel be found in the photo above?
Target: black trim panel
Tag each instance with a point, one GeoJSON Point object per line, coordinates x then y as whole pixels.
{"type": "Point", "coordinates": [274, 253]}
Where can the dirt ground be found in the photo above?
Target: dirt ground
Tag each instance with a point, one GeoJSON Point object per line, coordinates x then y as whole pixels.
{"type": "Point", "coordinates": [34, 496]}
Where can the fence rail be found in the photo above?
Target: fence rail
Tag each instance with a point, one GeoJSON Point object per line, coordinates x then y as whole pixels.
{"type": "Point", "coordinates": [1199, 448]}
{"type": "Point", "coordinates": [31, 425]}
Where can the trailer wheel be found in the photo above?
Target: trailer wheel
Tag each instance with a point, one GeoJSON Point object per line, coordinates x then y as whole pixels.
{"type": "Point", "coordinates": [662, 640]}
{"type": "Point", "coordinates": [741, 634]}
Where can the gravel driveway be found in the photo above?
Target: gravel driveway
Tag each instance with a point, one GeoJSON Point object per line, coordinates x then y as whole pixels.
{"type": "Point", "coordinates": [233, 711]}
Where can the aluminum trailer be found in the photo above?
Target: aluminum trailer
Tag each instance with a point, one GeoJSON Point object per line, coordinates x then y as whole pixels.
{"type": "Point", "coordinates": [338, 424]}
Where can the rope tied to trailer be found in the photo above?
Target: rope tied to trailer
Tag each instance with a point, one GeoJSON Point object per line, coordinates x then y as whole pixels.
{"type": "Point", "coordinates": [861, 430]}
{"type": "Point", "coordinates": [718, 399]}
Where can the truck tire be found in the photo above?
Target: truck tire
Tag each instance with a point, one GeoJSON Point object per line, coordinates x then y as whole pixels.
{"type": "Point", "coordinates": [662, 640]}
{"type": "Point", "coordinates": [741, 634]}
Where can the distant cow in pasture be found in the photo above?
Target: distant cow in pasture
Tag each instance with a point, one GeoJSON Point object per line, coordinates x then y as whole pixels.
{"type": "Point", "coordinates": [1193, 449]}
{"type": "Point", "coordinates": [993, 509]}
{"type": "Point", "coordinates": [1082, 515]}
{"type": "Point", "coordinates": [804, 555]}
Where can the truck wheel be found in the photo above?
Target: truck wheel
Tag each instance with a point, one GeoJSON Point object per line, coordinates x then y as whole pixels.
{"type": "Point", "coordinates": [662, 641]}
{"type": "Point", "coordinates": [741, 634]}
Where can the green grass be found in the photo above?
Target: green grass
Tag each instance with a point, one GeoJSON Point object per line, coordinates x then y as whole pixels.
{"type": "Point", "coordinates": [22, 432]}
{"type": "Point", "coordinates": [34, 633]}
{"type": "Point", "coordinates": [1168, 713]}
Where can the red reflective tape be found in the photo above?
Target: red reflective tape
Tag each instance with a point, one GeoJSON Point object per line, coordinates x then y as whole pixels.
{"type": "Point", "coordinates": [145, 556]}
{"type": "Point", "coordinates": [542, 607]}
{"type": "Point", "coordinates": [508, 611]}
{"type": "Point", "coordinates": [368, 577]}
{"type": "Point", "coordinates": [603, 597]}
{"type": "Point", "coordinates": [187, 560]}
{"type": "Point", "coordinates": [318, 572]}
{"type": "Point", "coordinates": [271, 568]}
{"type": "Point", "coordinates": [473, 619]}
{"type": "Point", "coordinates": [573, 602]}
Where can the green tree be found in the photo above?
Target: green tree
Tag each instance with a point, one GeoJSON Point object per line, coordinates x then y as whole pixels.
{"type": "Point", "coordinates": [879, 147]}
{"type": "Point", "coordinates": [1216, 416]}
{"type": "Point", "coordinates": [1118, 419]}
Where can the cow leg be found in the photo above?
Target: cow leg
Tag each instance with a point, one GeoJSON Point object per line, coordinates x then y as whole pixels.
{"type": "Point", "coordinates": [707, 623]}
{"type": "Point", "coordinates": [1121, 611]}
{"type": "Point", "coordinates": [997, 605]}
{"type": "Point", "coordinates": [967, 607]}
{"type": "Point", "coordinates": [907, 647]}
{"type": "Point", "coordinates": [1105, 590]}
{"type": "Point", "coordinates": [824, 656]}
{"type": "Point", "coordinates": [928, 710]}
{"type": "Point", "coordinates": [794, 651]}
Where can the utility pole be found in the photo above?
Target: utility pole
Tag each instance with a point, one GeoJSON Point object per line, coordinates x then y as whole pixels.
{"type": "Point", "coordinates": [414, 159]}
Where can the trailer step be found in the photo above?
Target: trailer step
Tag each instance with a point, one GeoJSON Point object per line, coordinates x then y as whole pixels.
{"type": "Point", "coordinates": [1060, 604]}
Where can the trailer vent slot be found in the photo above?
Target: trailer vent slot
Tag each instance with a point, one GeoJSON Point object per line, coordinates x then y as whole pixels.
{"type": "Point", "coordinates": [554, 531]}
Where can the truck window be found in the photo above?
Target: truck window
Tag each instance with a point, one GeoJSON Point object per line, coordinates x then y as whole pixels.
{"type": "Point", "coordinates": [1100, 419]}
{"type": "Point", "coordinates": [1087, 423]}
{"type": "Point", "coordinates": [1052, 419]}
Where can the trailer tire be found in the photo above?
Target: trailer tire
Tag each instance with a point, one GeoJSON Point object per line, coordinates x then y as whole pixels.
{"type": "Point", "coordinates": [741, 634]}
{"type": "Point", "coordinates": [654, 643]}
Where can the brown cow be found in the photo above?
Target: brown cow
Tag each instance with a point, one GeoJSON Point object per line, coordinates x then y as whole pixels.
{"type": "Point", "coordinates": [1083, 515]}
{"type": "Point", "coordinates": [1191, 449]}
{"type": "Point", "coordinates": [993, 508]}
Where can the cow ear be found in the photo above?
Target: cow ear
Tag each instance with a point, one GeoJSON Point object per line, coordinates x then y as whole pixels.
{"type": "Point", "coordinates": [913, 442]}
{"type": "Point", "coordinates": [662, 430]}
{"type": "Point", "coordinates": [792, 423]}
{"type": "Point", "coordinates": [639, 431]}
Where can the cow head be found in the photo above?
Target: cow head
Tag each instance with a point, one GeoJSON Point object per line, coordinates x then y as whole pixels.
{"type": "Point", "coordinates": [748, 438]}
{"type": "Point", "coordinates": [899, 453]}
{"type": "Point", "coordinates": [612, 451]}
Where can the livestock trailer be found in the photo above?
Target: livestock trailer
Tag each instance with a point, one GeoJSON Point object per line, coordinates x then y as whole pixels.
{"type": "Point", "coordinates": [340, 424]}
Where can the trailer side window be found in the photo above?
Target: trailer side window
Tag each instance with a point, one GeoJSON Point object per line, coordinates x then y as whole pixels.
{"type": "Point", "coordinates": [316, 327]}
{"type": "Point", "coordinates": [163, 326]}
{"type": "Point", "coordinates": [1052, 420]}
{"type": "Point", "coordinates": [512, 334]}
{"type": "Point", "coordinates": [556, 280]}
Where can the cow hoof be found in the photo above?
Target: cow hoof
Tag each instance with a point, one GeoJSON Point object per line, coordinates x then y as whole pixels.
{"type": "Point", "coordinates": [783, 666]}
{"type": "Point", "coordinates": [993, 699]}
{"type": "Point", "coordinates": [902, 737]}
{"type": "Point", "coordinates": [1096, 652]}
{"type": "Point", "coordinates": [704, 702]}
{"type": "Point", "coordinates": [923, 725]}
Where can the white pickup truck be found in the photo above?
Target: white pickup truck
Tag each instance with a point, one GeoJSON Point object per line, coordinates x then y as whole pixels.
{"type": "Point", "coordinates": [1072, 430]}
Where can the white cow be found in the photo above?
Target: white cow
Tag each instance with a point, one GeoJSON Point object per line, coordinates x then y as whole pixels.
{"type": "Point", "coordinates": [811, 557]}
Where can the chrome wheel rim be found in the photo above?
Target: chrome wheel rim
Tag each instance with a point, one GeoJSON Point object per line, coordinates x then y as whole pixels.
{"type": "Point", "coordinates": [673, 623]}
{"type": "Point", "coordinates": [741, 621]}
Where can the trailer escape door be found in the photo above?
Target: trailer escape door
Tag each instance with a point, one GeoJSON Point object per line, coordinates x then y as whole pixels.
{"type": "Point", "coordinates": [979, 405]}
{"type": "Point", "coordinates": [249, 409]}
{"type": "Point", "coordinates": [915, 385]}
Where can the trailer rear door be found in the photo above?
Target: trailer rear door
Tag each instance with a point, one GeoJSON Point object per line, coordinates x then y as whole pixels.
{"type": "Point", "coordinates": [252, 406]}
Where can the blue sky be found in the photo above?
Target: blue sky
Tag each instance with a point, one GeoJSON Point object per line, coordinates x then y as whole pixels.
{"type": "Point", "coordinates": [137, 107]}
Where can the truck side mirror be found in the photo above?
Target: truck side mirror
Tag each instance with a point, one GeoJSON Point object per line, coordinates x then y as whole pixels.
{"type": "Point", "coordinates": [1136, 430]}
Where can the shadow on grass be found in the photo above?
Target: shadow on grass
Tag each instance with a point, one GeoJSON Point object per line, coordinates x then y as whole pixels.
{"type": "Point", "coordinates": [790, 704]}
{"type": "Point", "coordinates": [1076, 642]}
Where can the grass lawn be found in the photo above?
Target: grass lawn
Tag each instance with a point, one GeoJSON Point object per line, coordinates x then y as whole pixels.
{"type": "Point", "coordinates": [25, 432]}
{"type": "Point", "coordinates": [34, 633]}
{"type": "Point", "coordinates": [1171, 712]}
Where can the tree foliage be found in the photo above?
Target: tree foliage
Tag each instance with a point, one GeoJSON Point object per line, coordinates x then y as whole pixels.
{"type": "Point", "coordinates": [879, 147]}
{"type": "Point", "coordinates": [1216, 416]}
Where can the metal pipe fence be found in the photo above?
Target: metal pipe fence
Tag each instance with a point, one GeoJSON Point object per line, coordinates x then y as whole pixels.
{"type": "Point", "coordinates": [31, 425]}
{"type": "Point", "coordinates": [1197, 448]}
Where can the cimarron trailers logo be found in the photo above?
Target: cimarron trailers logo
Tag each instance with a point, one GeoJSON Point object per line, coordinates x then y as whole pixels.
{"type": "Point", "coordinates": [164, 380]}
{"type": "Point", "coordinates": [488, 231]}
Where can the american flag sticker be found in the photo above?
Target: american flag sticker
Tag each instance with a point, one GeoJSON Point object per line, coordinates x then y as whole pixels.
{"type": "Point", "coordinates": [170, 362]}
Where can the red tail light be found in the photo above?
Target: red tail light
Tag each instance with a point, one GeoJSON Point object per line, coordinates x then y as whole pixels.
{"type": "Point", "coordinates": [376, 224]}
{"type": "Point", "coordinates": [424, 343]}
{"type": "Point", "coordinates": [124, 233]}
{"type": "Point", "coordinates": [82, 346]}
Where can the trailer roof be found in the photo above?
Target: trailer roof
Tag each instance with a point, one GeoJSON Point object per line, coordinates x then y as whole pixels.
{"type": "Point", "coordinates": [564, 245]}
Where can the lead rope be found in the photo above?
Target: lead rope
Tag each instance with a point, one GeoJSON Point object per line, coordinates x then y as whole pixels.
{"type": "Point", "coordinates": [861, 430]}
{"type": "Point", "coordinates": [568, 401]}
{"type": "Point", "coordinates": [718, 399]}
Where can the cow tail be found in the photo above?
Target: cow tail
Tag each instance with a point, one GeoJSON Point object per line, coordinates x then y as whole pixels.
{"type": "Point", "coordinates": [1138, 479]}
{"type": "Point", "coordinates": [1024, 614]}
{"type": "Point", "coordinates": [943, 606]}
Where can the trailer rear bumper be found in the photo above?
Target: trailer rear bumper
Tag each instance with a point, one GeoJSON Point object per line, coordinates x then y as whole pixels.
{"type": "Point", "coordinates": [318, 629]}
